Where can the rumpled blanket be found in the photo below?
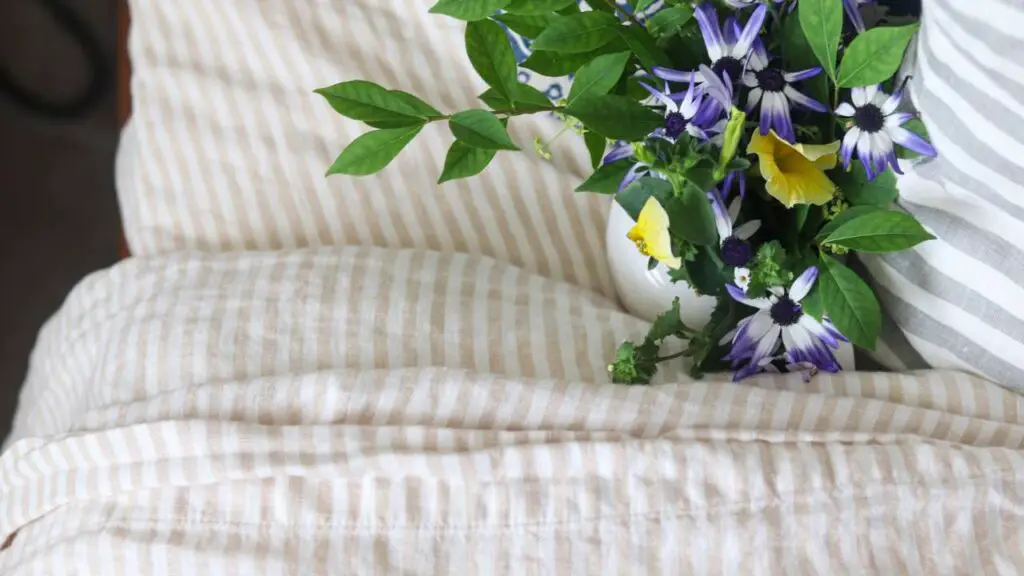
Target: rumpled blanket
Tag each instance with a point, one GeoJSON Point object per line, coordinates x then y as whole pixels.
{"type": "Point", "coordinates": [372, 411]}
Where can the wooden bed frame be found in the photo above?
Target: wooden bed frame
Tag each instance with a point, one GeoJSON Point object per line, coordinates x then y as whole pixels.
{"type": "Point", "coordinates": [124, 94]}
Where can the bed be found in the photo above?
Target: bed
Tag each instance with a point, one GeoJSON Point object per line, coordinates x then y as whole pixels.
{"type": "Point", "coordinates": [352, 389]}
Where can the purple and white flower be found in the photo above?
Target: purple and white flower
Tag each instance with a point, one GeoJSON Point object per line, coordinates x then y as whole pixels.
{"type": "Point", "coordinates": [874, 126]}
{"type": "Point", "coordinates": [773, 89]}
{"type": "Point", "coordinates": [728, 48]}
{"type": "Point", "coordinates": [680, 110]}
{"type": "Point", "coordinates": [638, 170]}
{"type": "Point", "coordinates": [732, 241]}
{"type": "Point", "coordinates": [780, 317]}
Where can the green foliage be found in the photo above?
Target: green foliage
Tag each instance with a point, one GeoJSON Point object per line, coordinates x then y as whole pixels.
{"type": "Point", "coordinates": [691, 217]}
{"type": "Point", "coordinates": [798, 55]}
{"type": "Point", "coordinates": [874, 56]}
{"type": "Point", "coordinates": [669, 324]}
{"type": "Point", "coordinates": [704, 348]}
{"type": "Point", "coordinates": [596, 145]}
{"type": "Point", "coordinates": [536, 7]}
{"type": "Point", "coordinates": [577, 33]}
{"type": "Point", "coordinates": [377, 106]}
{"type": "Point", "coordinates": [525, 98]}
{"type": "Point", "coordinates": [850, 303]}
{"type": "Point", "coordinates": [481, 129]}
{"type": "Point", "coordinates": [643, 46]}
{"type": "Point", "coordinates": [615, 117]}
{"type": "Point", "coordinates": [373, 151]}
{"type": "Point", "coordinates": [527, 26]}
{"type": "Point", "coordinates": [844, 217]}
{"type": "Point", "coordinates": [464, 161]}
{"type": "Point", "coordinates": [669, 21]}
{"type": "Point", "coordinates": [492, 57]}
{"type": "Point", "coordinates": [634, 364]}
{"type": "Point", "coordinates": [880, 231]}
{"type": "Point", "coordinates": [705, 271]}
{"type": "Point", "coordinates": [633, 198]}
{"type": "Point", "coordinates": [606, 179]}
{"type": "Point", "coordinates": [822, 23]}
{"type": "Point", "coordinates": [468, 9]}
{"type": "Point", "coordinates": [859, 191]}
{"type": "Point", "coordinates": [769, 268]}
{"type": "Point", "coordinates": [554, 64]}
{"type": "Point", "coordinates": [598, 77]}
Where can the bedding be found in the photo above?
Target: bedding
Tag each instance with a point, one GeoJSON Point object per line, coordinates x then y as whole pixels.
{"type": "Point", "coordinates": [367, 410]}
{"type": "Point", "coordinates": [958, 302]}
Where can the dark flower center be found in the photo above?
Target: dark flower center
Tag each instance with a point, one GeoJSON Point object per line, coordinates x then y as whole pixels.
{"type": "Point", "coordinates": [771, 80]}
{"type": "Point", "coordinates": [785, 312]}
{"type": "Point", "coordinates": [869, 118]}
{"type": "Point", "coordinates": [674, 125]}
{"type": "Point", "coordinates": [730, 66]}
{"type": "Point", "coordinates": [736, 252]}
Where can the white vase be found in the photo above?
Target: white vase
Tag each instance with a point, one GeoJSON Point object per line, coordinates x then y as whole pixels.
{"type": "Point", "coordinates": [648, 293]}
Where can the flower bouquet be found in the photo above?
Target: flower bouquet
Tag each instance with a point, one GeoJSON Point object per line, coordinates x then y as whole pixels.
{"type": "Point", "coordinates": [754, 143]}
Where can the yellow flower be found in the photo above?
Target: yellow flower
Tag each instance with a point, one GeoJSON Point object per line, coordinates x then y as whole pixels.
{"type": "Point", "coordinates": [651, 234]}
{"type": "Point", "coordinates": [795, 173]}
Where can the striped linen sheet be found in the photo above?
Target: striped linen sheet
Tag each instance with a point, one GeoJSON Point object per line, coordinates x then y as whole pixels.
{"type": "Point", "coordinates": [378, 411]}
{"type": "Point", "coordinates": [959, 300]}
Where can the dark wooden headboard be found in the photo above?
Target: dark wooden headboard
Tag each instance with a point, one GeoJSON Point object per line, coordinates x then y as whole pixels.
{"type": "Point", "coordinates": [124, 92]}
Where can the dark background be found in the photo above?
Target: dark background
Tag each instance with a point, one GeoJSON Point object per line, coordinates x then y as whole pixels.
{"type": "Point", "coordinates": [58, 209]}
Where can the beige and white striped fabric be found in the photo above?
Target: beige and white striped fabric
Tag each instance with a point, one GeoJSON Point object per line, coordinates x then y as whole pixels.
{"type": "Point", "coordinates": [375, 411]}
{"type": "Point", "coordinates": [228, 145]}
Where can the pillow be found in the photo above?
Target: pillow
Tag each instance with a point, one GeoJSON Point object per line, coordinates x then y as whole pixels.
{"type": "Point", "coordinates": [959, 300]}
{"type": "Point", "coordinates": [228, 144]}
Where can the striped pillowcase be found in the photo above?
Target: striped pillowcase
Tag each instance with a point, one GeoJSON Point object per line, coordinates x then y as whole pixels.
{"type": "Point", "coordinates": [959, 301]}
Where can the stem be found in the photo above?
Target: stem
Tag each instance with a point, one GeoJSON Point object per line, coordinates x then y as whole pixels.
{"type": "Point", "coordinates": [671, 357]}
{"type": "Point", "coordinates": [631, 17]}
{"type": "Point", "coordinates": [832, 124]}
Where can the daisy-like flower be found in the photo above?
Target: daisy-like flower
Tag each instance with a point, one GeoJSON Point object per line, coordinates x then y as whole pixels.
{"type": "Point", "coordinates": [781, 317]}
{"type": "Point", "coordinates": [637, 171]}
{"type": "Point", "coordinates": [795, 173]}
{"type": "Point", "coordinates": [874, 126]}
{"type": "Point", "coordinates": [651, 234]}
{"type": "Point", "coordinates": [728, 47]}
{"type": "Point", "coordinates": [772, 88]}
{"type": "Point", "coordinates": [736, 251]}
{"type": "Point", "coordinates": [741, 277]}
{"type": "Point", "coordinates": [680, 110]}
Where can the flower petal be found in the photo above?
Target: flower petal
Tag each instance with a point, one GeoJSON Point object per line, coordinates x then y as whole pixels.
{"type": "Point", "coordinates": [892, 103]}
{"type": "Point", "coordinates": [802, 285]}
{"type": "Point", "coordinates": [734, 209]}
{"type": "Point", "coordinates": [848, 146]}
{"type": "Point", "coordinates": [818, 331]}
{"type": "Point", "coordinates": [722, 221]}
{"type": "Point", "coordinates": [617, 153]}
{"type": "Point", "coordinates": [707, 19]}
{"type": "Point", "coordinates": [859, 95]}
{"type": "Point", "coordinates": [801, 99]}
{"type": "Point", "coordinates": [750, 32]}
{"type": "Point", "coordinates": [740, 296]}
{"type": "Point", "coordinates": [662, 98]}
{"type": "Point", "coordinates": [747, 230]}
{"type": "Point", "coordinates": [767, 344]}
{"type": "Point", "coordinates": [846, 110]}
{"type": "Point", "coordinates": [675, 75]}
{"type": "Point", "coordinates": [791, 77]}
{"type": "Point", "coordinates": [716, 88]}
{"type": "Point", "coordinates": [898, 119]}
{"type": "Point", "coordinates": [912, 141]}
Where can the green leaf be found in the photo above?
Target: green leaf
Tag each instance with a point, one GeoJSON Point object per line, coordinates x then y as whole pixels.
{"type": "Point", "coordinates": [373, 151]}
{"type": "Point", "coordinates": [669, 324]}
{"type": "Point", "coordinates": [555, 65]}
{"type": "Point", "coordinates": [822, 23]}
{"type": "Point", "coordinates": [704, 348]}
{"type": "Point", "coordinates": [642, 5]}
{"type": "Point", "coordinates": [578, 33]}
{"type": "Point", "coordinates": [705, 271]}
{"type": "Point", "coordinates": [527, 99]}
{"type": "Point", "coordinates": [535, 7]}
{"type": "Point", "coordinates": [644, 46]}
{"type": "Point", "coordinates": [691, 218]}
{"type": "Point", "coordinates": [668, 21]}
{"type": "Point", "coordinates": [376, 105]}
{"type": "Point", "coordinates": [798, 55]}
{"type": "Point", "coordinates": [527, 26]}
{"type": "Point", "coordinates": [859, 191]}
{"type": "Point", "coordinates": [596, 145]}
{"type": "Point", "coordinates": [769, 268]}
{"type": "Point", "coordinates": [606, 179]}
{"type": "Point", "coordinates": [468, 9]}
{"type": "Point", "coordinates": [464, 161]}
{"type": "Point", "coordinates": [916, 126]}
{"type": "Point", "coordinates": [874, 55]}
{"type": "Point", "coordinates": [881, 231]}
{"type": "Point", "coordinates": [615, 117]}
{"type": "Point", "coordinates": [849, 303]}
{"type": "Point", "coordinates": [481, 129]}
{"type": "Point", "coordinates": [633, 198]}
{"type": "Point", "coordinates": [599, 76]}
{"type": "Point", "coordinates": [492, 57]}
{"type": "Point", "coordinates": [844, 217]}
